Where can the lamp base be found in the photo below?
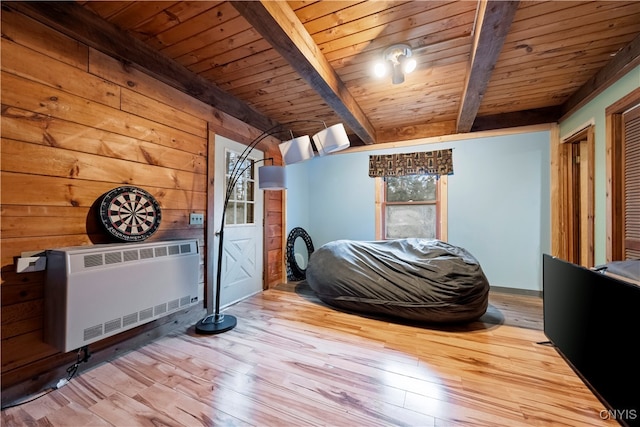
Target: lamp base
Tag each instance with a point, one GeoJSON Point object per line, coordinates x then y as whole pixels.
{"type": "Point", "coordinates": [211, 325]}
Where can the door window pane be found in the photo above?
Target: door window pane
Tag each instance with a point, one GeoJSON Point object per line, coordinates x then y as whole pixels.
{"type": "Point", "coordinates": [250, 218]}
{"type": "Point", "coordinates": [230, 213]}
{"type": "Point", "coordinates": [240, 209]}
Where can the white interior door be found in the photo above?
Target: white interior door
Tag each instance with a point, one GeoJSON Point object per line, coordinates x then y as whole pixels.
{"type": "Point", "coordinates": [242, 259]}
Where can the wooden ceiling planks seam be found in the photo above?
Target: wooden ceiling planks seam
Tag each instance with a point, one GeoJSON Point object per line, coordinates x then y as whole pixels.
{"type": "Point", "coordinates": [551, 51]}
{"type": "Point", "coordinates": [544, 46]}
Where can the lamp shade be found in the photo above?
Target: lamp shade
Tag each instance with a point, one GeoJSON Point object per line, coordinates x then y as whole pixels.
{"type": "Point", "coordinates": [296, 150]}
{"type": "Point", "coordinates": [334, 138]}
{"type": "Point", "coordinates": [272, 178]}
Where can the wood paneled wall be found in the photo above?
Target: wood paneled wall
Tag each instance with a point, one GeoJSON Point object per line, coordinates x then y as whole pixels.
{"type": "Point", "coordinates": [75, 124]}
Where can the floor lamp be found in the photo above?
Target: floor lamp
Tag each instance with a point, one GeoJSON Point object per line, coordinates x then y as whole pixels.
{"type": "Point", "coordinates": [328, 140]}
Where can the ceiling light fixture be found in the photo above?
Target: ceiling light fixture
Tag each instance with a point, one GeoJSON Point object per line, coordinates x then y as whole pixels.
{"type": "Point", "coordinates": [396, 58]}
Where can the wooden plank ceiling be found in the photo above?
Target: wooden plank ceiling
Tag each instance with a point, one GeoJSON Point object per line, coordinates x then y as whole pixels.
{"type": "Point", "coordinates": [480, 64]}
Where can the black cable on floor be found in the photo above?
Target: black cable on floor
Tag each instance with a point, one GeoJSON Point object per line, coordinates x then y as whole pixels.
{"type": "Point", "coordinates": [82, 356]}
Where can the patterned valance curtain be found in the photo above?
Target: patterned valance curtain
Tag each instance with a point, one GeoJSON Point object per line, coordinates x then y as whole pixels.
{"type": "Point", "coordinates": [438, 162]}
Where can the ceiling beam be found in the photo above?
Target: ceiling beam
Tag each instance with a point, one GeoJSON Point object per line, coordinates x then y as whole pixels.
{"type": "Point", "coordinates": [80, 24]}
{"type": "Point", "coordinates": [492, 25]}
{"type": "Point", "coordinates": [279, 25]}
{"type": "Point", "coordinates": [625, 59]}
{"type": "Point", "coordinates": [516, 119]}
{"type": "Point", "coordinates": [425, 130]}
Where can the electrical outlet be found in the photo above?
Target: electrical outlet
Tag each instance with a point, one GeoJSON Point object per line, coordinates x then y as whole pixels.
{"type": "Point", "coordinates": [196, 219]}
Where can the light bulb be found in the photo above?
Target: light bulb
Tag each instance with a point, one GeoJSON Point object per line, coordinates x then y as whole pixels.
{"type": "Point", "coordinates": [380, 69]}
{"type": "Point", "coordinates": [409, 65]}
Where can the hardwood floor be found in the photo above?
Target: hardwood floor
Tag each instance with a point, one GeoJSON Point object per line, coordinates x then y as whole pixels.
{"type": "Point", "coordinates": [292, 361]}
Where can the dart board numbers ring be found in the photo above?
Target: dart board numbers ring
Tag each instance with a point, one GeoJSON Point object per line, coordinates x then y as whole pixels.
{"type": "Point", "coordinates": [130, 213]}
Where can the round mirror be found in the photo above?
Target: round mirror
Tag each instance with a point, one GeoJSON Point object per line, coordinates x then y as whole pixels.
{"type": "Point", "coordinates": [299, 249]}
{"type": "Point", "coordinates": [301, 253]}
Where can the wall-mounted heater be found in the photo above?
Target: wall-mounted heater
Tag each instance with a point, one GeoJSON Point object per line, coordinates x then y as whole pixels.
{"type": "Point", "coordinates": [94, 292]}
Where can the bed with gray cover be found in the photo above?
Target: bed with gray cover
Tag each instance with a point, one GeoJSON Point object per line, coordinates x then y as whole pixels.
{"type": "Point", "coordinates": [628, 270]}
{"type": "Point", "coordinates": [417, 279]}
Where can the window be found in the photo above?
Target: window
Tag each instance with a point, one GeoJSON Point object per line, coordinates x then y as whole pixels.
{"type": "Point", "coordinates": [412, 206]}
{"type": "Point", "coordinates": [241, 207]}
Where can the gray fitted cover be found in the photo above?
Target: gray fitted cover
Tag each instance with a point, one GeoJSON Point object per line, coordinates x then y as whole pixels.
{"type": "Point", "coordinates": [416, 279]}
{"type": "Point", "coordinates": [629, 269]}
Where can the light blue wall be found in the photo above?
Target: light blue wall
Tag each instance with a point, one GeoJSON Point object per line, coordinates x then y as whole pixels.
{"type": "Point", "coordinates": [342, 205]}
{"type": "Point", "coordinates": [594, 112]}
{"type": "Point", "coordinates": [499, 206]}
{"type": "Point", "coordinates": [498, 202]}
{"type": "Point", "coordinates": [297, 213]}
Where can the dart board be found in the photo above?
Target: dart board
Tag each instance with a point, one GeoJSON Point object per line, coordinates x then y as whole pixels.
{"type": "Point", "coordinates": [130, 213]}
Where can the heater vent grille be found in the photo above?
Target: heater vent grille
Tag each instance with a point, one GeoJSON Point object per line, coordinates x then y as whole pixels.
{"type": "Point", "coordinates": [130, 256]}
{"type": "Point", "coordinates": [112, 325]}
{"type": "Point", "coordinates": [92, 332]}
{"type": "Point", "coordinates": [93, 292]}
{"type": "Point", "coordinates": [93, 260]}
{"type": "Point", "coordinates": [129, 319]}
{"type": "Point", "coordinates": [147, 313]}
{"type": "Point", "coordinates": [113, 258]}
{"type": "Point", "coordinates": [160, 309]}
{"type": "Point", "coordinates": [110, 258]}
{"type": "Point", "coordinates": [146, 253]}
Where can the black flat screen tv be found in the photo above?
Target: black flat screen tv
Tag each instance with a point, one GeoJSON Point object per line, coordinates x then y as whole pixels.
{"type": "Point", "coordinates": [593, 320]}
